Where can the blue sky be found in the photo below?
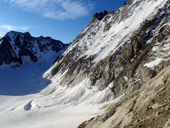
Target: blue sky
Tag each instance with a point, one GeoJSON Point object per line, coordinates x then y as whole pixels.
{"type": "Point", "coordinates": [60, 19]}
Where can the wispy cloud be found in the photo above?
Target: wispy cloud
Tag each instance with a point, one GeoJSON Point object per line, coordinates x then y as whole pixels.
{"type": "Point", "coordinates": [56, 9]}
{"type": "Point", "coordinates": [14, 28]}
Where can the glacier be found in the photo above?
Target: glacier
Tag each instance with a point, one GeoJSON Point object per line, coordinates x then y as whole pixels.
{"type": "Point", "coordinates": [44, 94]}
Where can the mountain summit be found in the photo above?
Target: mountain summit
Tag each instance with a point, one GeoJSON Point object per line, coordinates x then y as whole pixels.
{"type": "Point", "coordinates": [18, 48]}
{"type": "Point", "coordinates": [122, 56]}
{"type": "Point", "coordinates": [121, 50]}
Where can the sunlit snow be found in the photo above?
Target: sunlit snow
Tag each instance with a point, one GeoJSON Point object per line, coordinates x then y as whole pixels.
{"type": "Point", "coordinates": [29, 98]}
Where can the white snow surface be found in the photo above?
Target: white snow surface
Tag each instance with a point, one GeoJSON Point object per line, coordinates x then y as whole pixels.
{"type": "Point", "coordinates": [103, 43]}
{"type": "Point", "coordinates": [27, 102]}
{"type": "Point", "coordinates": [28, 99]}
{"type": "Point", "coordinates": [153, 63]}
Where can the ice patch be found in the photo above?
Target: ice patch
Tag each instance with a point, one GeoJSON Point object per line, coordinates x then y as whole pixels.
{"type": "Point", "coordinates": [154, 63]}
{"type": "Point", "coordinates": [155, 49]}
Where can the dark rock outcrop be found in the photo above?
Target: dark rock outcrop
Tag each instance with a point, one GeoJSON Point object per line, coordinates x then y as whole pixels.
{"type": "Point", "coordinates": [15, 45]}
{"type": "Point", "coordinates": [100, 16]}
{"type": "Point", "coordinates": [7, 54]}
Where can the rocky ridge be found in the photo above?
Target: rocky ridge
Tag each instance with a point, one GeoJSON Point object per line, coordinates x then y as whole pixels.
{"type": "Point", "coordinates": [112, 52]}
{"type": "Point", "coordinates": [21, 48]}
{"type": "Point", "coordinates": [121, 53]}
{"type": "Point", "coordinates": [147, 107]}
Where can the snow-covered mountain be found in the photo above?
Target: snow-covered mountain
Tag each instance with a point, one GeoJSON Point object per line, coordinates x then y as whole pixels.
{"type": "Point", "coordinates": [21, 48]}
{"type": "Point", "coordinates": [115, 56]}
{"type": "Point", "coordinates": [118, 49]}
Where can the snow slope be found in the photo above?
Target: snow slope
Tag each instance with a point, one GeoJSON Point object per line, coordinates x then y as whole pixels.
{"type": "Point", "coordinates": [103, 43]}
{"type": "Point", "coordinates": [98, 53]}
{"type": "Point", "coordinates": [27, 99]}
{"type": "Point", "coordinates": [24, 112]}
{"type": "Point", "coordinates": [31, 98]}
{"type": "Point", "coordinates": [22, 104]}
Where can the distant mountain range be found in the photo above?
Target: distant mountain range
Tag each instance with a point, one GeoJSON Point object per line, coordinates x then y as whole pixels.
{"type": "Point", "coordinates": [122, 55]}
{"type": "Point", "coordinates": [18, 48]}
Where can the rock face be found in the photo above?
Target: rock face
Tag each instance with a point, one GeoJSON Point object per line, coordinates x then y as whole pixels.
{"type": "Point", "coordinates": [147, 107]}
{"type": "Point", "coordinates": [124, 49]}
{"type": "Point", "coordinates": [100, 16]}
{"type": "Point", "coordinates": [120, 53]}
{"type": "Point", "coordinates": [138, 70]}
{"type": "Point", "coordinates": [7, 54]}
{"type": "Point", "coordinates": [21, 48]}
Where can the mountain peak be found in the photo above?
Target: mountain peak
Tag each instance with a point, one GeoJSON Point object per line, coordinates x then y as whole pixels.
{"type": "Point", "coordinates": [23, 48]}
{"type": "Point", "coordinates": [100, 15]}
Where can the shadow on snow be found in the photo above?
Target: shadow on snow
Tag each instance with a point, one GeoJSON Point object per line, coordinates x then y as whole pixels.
{"type": "Point", "coordinates": [23, 80]}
